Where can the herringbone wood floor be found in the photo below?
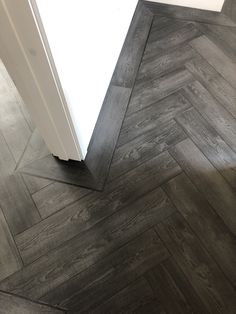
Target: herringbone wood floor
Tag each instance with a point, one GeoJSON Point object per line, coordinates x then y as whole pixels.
{"type": "Point", "coordinates": [161, 237]}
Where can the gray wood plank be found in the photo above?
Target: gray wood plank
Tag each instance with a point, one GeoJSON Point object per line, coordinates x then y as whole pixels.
{"type": "Point", "coordinates": [131, 54]}
{"type": "Point", "coordinates": [94, 207]}
{"type": "Point", "coordinates": [77, 255]}
{"type": "Point", "coordinates": [160, 23]}
{"type": "Point", "coordinates": [7, 162]}
{"type": "Point", "coordinates": [157, 66]}
{"type": "Point", "coordinates": [214, 83]}
{"type": "Point", "coordinates": [200, 269]}
{"type": "Point", "coordinates": [10, 260]}
{"type": "Point", "coordinates": [162, 27]}
{"type": "Point", "coordinates": [17, 205]}
{"type": "Point", "coordinates": [145, 147]}
{"type": "Point", "coordinates": [146, 93]}
{"type": "Point", "coordinates": [91, 287]}
{"type": "Point", "coordinates": [12, 304]}
{"type": "Point", "coordinates": [172, 40]}
{"type": "Point", "coordinates": [36, 149]}
{"type": "Point", "coordinates": [173, 290]}
{"type": "Point", "coordinates": [57, 196]}
{"type": "Point", "coordinates": [204, 221]}
{"type": "Point", "coordinates": [106, 132]}
{"type": "Point", "coordinates": [222, 63]}
{"type": "Point", "coordinates": [180, 12]}
{"type": "Point", "coordinates": [223, 37]}
{"type": "Point", "coordinates": [14, 127]}
{"type": "Point", "coordinates": [229, 9]}
{"type": "Point", "coordinates": [208, 180]}
{"type": "Point", "coordinates": [152, 117]}
{"type": "Point", "coordinates": [136, 298]}
{"type": "Point", "coordinates": [210, 143]}
{"type": "Point", "coordinates": [215, 114]}
{"type": "Point", "coordinates": [34, 184]}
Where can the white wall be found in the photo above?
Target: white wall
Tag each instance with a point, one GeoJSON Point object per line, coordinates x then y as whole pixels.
{"type": "Point", "coordinates": [213, 5]}
{"type": "Point", "coordinates": [85, 39]}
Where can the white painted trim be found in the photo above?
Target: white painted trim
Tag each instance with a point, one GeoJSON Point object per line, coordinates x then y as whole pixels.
{"type": "Point", "coordinates": [212, 5]}
{"type": "Point", "coordinates": [55, 74]}
{"type": "Point", "coordinates": [28, 63]}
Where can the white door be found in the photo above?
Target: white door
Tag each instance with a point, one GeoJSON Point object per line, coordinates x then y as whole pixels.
{"type": "Point", "coordinates": [25, 52]}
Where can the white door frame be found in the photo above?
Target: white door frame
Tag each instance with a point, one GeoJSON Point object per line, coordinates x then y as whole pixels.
{"type": "Point", "coordinates": [25, 53]}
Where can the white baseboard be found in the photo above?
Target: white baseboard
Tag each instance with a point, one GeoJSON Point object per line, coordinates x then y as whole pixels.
{"type": "Point", "coordinates": [212, 5]}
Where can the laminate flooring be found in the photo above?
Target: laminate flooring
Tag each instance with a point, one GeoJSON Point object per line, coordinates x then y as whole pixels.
{"type": "Point", "coordinates": [161, 236]}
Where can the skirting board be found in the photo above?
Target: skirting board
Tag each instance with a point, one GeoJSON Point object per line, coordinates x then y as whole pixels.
{"type": "Point", "coordinates": [215, 5]}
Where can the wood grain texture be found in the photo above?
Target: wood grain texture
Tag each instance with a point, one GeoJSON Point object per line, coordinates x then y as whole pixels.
{"type": "Point", "coordinates": [91, 287]}
{"type": "Point", "coordinates": [138, 297]}
{"type": "Point", "coordinates": [173, 290]}
{"type": "Point", "coordinates": [88, 247]}
{"type": "Point", "coordinates": [214, 83]}
{"type": "Point", "coordinates": [106, 132]}
{"type": "Point", "coordinates": [215, 114]}
{"type": "Point", "coordinates": [94, 207]}
{"type": "Point", "coordinates": [159, 65]}
{"type": "Point", "coordinates": [223, 37]}
{"type": "Point", "coordinates": [147, 93]}
{"type": "Point", "coordinates": [198, 266]}
{"type": "Point", "coordinates": [208, 180]}
{"type": "Point", "coordinates": [222, 63]}
{"type": "Point", "coordinates": [17, 205]}
{"type": "Point", "coordinates": [145, 147]}
{"type": "Point", "coordinates": [152, 117]}
{"type": "Point", "coordinates": [10, 260]}
{"type": "Point", "coordinates": [172, 40]}
{"type": "Point", "coordinates": [210, 143]}
{"type": "Point", "coordinates": [56, 196]}
{"type": "Point", "coordinates": [160, 22]}
{"type": "Point", "coordinates": [68, 261]}
{"type": "Point", "coordinates": [12, 304]}
{"type": "Point", "coordinates": [163, 26]}
{"type": "Point", "coordinates": [172, 173]}
{"type": "Point", "coordinates": [132, 51]}
{"type": "Point", "coordinates": [204, 221]}
{"type": "Point", "coordinates": [189, 14]}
